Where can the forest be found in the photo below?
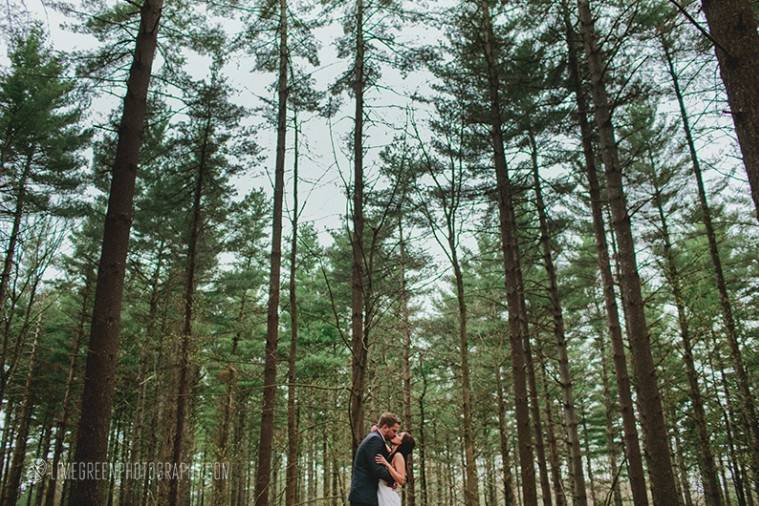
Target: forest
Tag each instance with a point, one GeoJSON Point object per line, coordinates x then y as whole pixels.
{"type": "Point", "coordinates": [235, 232]}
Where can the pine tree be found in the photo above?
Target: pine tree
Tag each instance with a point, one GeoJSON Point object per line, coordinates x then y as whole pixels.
{"type": "Point", "coordinates": [446, 193]}
{"type": "Point", "coordinates": [263, 471]}
{"type": "Point", "coordinates": [726, 304]}
{"type": "Point", "coordinates": [40, 117]}
{"type": "Point", "coordinates": [650, 403]}
{"type": "Point", "coordinates": [206, 141]}
{"type": "Point", "coordinates": [631, 440]}
{"type": "Point", "coordinates": [97, 397]}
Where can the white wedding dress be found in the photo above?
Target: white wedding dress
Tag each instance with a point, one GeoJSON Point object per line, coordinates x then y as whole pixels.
{"type": "Point", "coordinates": [386, 496]}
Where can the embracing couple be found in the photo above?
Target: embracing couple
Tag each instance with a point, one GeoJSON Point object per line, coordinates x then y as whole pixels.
{"type": "Point", "coordinates": [379, 467]}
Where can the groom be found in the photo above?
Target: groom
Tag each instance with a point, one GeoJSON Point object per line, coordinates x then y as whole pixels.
{"type": "Point", "coordinates": [366, 472]}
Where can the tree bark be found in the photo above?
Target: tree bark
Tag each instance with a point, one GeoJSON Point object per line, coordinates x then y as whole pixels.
{"type": "Point", "coordinates": [9, 435]}
{"type": "Point", "coordinates": [508, 481]}
{"type": "Point", "coordinates": [537, 424]}
{"type": "Point", "coordinates": [266, 436]}
{"type": "Point", "coordinates": [728, 415]}
{"type": "Point", "coordinates": [471, 495]}
{"type": "Point", "coordinates": [706, 463]}
{"type": "Point", "coordinates": [409, 490]}
{"type": "Point", "coordinates": [747, 124]}
{"type": "Point", "coordinates": [423, 483]}
{"type": "Point", "coordinates": [611, 447]}
{"type": "Point", "coordinates": [447, 238]}
{"type": "Point", "coordinates": [221, 486]}
{"type": "Point", "coordinates": [588, 461]}
{"type": "Point", "coordinates": [291, 480]}
{"type": "Point", "coordinates": [511, 261]}
{"type": "Point", "coordinates": [650, 405]}
{"type": "Point", "coordinates": [733, 27]}
{"type": "Point", "coordinates": [359, 345]}
{"type": "Point", "coordinates": [567, 386]}
{"type": "Point", "coordinates": [630, 431]}
{"type": "Point", "coordinates": [62, 424]}
{"type": "Point", "coordinates": [10, 251]}
{"type": "Point", "coordinates": [44, 450]}
{"type": "Point", "coordinates": [185, 374]}
{"type": "Point", "coordinates": [553, 451]}
{"type": "Point", "coordinates": [13, 482]}
{"type": "Point", "coordinates": [97, 395]}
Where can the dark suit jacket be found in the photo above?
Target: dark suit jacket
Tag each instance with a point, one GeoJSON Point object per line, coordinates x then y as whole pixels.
{"type": "Point", "coordinates": [366, 472]}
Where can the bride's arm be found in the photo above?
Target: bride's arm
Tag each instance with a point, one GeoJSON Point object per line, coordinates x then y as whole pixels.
{"type": "Point", "coordinates": [397, 469]}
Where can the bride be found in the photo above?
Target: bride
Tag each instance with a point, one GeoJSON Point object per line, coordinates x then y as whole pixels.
{"type": "Point", "coordinates": [400, 448]}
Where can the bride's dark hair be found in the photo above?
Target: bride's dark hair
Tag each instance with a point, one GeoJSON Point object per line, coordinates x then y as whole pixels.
{"type": "Point", "coordinates": [406, 446]}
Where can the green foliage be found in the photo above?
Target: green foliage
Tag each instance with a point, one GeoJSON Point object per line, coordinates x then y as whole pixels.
{"type": "Point", "coordinates": [42, 129]}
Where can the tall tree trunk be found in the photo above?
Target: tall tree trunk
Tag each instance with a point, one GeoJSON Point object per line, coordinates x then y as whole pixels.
{"type": "Point", "coordinates": [611, 447]}
{"type": "Point", "coordinates": [114, 456]}
{"type": "Point", "coordinates": [359, 345]}
{"type": "Point", "coordinates": [335, 475]}
{"type": "Point", "coordinates": [10, 369]}
{"type": "Point", "coordinates": [9, 434]}
{"type": "Point", "coordinates": [588, 459]}
{"type": "Point", "coordinates": [725, 485]}
{"type": "Point", "coordinates": [133, 452]}
{"type": "Point", "coordinates": [734, 29]}
{"type": "Point", "coordinates": [503, 432]}
{"type": "Point", "coordinates": [185, 486]}
{"type": "Point", "coordinates": [291, 480]}
{"type": "Point", "coordinates": [221, 486]}
{"type": "Point", "coordinates": [423, 483]}
{"type": "Point", "coordinates": [242, 453]}
{"type": "Point", "coordinates": [567, 387]}
{"type": "Point", "coordinates": [471, 495]}
{"type": "Point", "coordinates": [511, 260]}
{"type": "Point", "coordinates": [553, 451]}
{"type": "Point", "coordinates": [266, 436]}
{"type": "Point", "coordinates": [706, 459]}
{"type": "Point", "coordinates": [62, 423]}
{"type": "Point", "coordinates": [746, 116]}
{"type": "Point", "coordinates": [10, 496]}
{"type": "Point", "coordinates": [491, 498]}
{"type": "Point", "coordinates": [451, 197]}
{"type": "Point", "coordinates": [311, 464]}
{"type": "Point", "coordinates": [185, 367]}
{"type": "Point", "coordinates": [652, 417]}
{"type": "Point", "coordinates": [156, 450]}
{"type": "Point", "coordinates": [409, 490]}
{"type": "Point", "coordinates": [97, 395]}
{"type": "Point", "coordinates": [680, 460]}
{"type": "Point", "coordinates": [44, 448]}
{"type": "Point", "coordinates": [537, 424]}
{"type": "Point", "coordinates": [10, 251]}
{"type": "Point", "coordinates": [34, 279]}
{"type": "Point", "coordinates": [728, 416]}
{"type": "Point", "coordinates": [325, 470]}
{"type": "Point", "coordinates": [632, 445]}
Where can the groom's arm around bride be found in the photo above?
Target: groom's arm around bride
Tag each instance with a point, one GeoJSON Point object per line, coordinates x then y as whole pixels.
{"type": "Point", "coordinates": [367, 472]}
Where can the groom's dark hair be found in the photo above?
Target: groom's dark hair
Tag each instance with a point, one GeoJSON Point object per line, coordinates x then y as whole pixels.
{"type": "Point", "coordinates": [388, 420]}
